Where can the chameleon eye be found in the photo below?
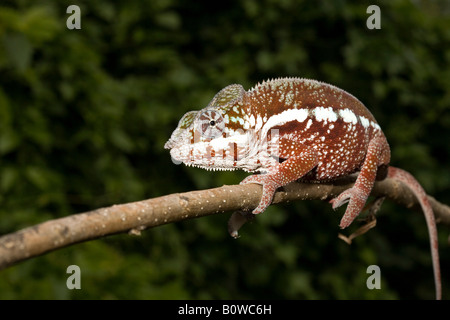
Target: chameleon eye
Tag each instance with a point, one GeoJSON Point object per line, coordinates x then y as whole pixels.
{"type": "Point", "coordinates": [210, 123]}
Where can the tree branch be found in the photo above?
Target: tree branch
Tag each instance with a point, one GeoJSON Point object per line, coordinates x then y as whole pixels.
{"type": "Point", "coordinates": [137, 216]}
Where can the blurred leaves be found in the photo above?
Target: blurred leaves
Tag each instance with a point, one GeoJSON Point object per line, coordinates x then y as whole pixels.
{"type": "Point", "coordinates": [84, 115]}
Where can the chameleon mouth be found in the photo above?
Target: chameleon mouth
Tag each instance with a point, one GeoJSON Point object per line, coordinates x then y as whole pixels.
{"type": "Point", "coordinates": [204, 162]}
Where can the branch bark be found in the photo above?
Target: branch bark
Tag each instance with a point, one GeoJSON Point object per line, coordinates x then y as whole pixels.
{"type": "Point", "coordinates": [137, 216]}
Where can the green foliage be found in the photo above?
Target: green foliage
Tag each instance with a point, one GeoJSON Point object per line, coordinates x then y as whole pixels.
{"type": "Point", "coordinates": [84, 115]}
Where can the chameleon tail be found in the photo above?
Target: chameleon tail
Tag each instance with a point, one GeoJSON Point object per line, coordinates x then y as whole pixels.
{"type": "Point", "coordinates": [416, 188]}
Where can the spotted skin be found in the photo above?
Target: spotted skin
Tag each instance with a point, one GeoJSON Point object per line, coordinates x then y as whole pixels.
{"type": "Point", "coordinates": [292, 129]}
{"type": "Point", "coordinates": [357, 196]}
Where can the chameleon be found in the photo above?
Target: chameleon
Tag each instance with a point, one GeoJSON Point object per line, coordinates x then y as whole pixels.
{"type": "Point", "coordinates": [290, 129]}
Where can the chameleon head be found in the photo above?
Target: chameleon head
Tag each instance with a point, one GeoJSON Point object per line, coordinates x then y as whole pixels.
{"type": "Point", "coordinates": [214, 138]}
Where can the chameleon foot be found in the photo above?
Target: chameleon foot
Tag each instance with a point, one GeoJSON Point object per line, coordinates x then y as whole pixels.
{"type": "Point", "coordinates": [356, 199]}
{"type": "Point", "coordinates": [269, 188]}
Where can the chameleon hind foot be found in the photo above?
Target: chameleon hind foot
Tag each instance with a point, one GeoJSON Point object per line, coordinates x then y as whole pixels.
{"type": "Point", "coordinates": [356, 199]}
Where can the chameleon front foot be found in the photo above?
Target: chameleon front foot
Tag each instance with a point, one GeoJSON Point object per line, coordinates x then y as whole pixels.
{"type": "Point", "coordinates": [239, 218]}
{"type": "Point", "coordinates": [356, 199]}
{"type": "Point", "coordinates": [269, 188]}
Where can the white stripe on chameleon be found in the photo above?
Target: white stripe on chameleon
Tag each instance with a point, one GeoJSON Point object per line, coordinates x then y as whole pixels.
{"type": "Point", "coordinates": [320, 114]}
{"type": "Point", "coordinates": [364, 121]}
{"type": "Point", "coordinates": [327, 114]}
{"type": "Point", "coordinates": [223, 143]}
{"type": "Point", "coordinates": [348, 116]}
{"type": "Point", "coordinates": [375, 125]}
{"type": "Point", "coordinates": [299, 115]}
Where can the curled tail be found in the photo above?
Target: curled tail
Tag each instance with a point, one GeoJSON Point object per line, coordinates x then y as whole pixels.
{"type": "Point", "coordinates": [416, 188]}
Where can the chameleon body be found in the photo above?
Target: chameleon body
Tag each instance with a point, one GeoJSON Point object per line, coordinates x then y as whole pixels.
{"type": "Point", "coordinates": [289, 129]}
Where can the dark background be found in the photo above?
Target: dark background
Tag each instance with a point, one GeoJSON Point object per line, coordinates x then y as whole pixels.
{"type": "Point", "coordinates": [84, 115]}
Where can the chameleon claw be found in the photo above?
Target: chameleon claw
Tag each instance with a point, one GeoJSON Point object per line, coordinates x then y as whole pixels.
{"type": "Point", "coordinates": [343, 198]}
{"type": "Point", "coordinates": [338, 201]}
{"type": "Point", "coordinates": [269, 188]}
{"type": "Point", "coordinates": [355, 199]}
